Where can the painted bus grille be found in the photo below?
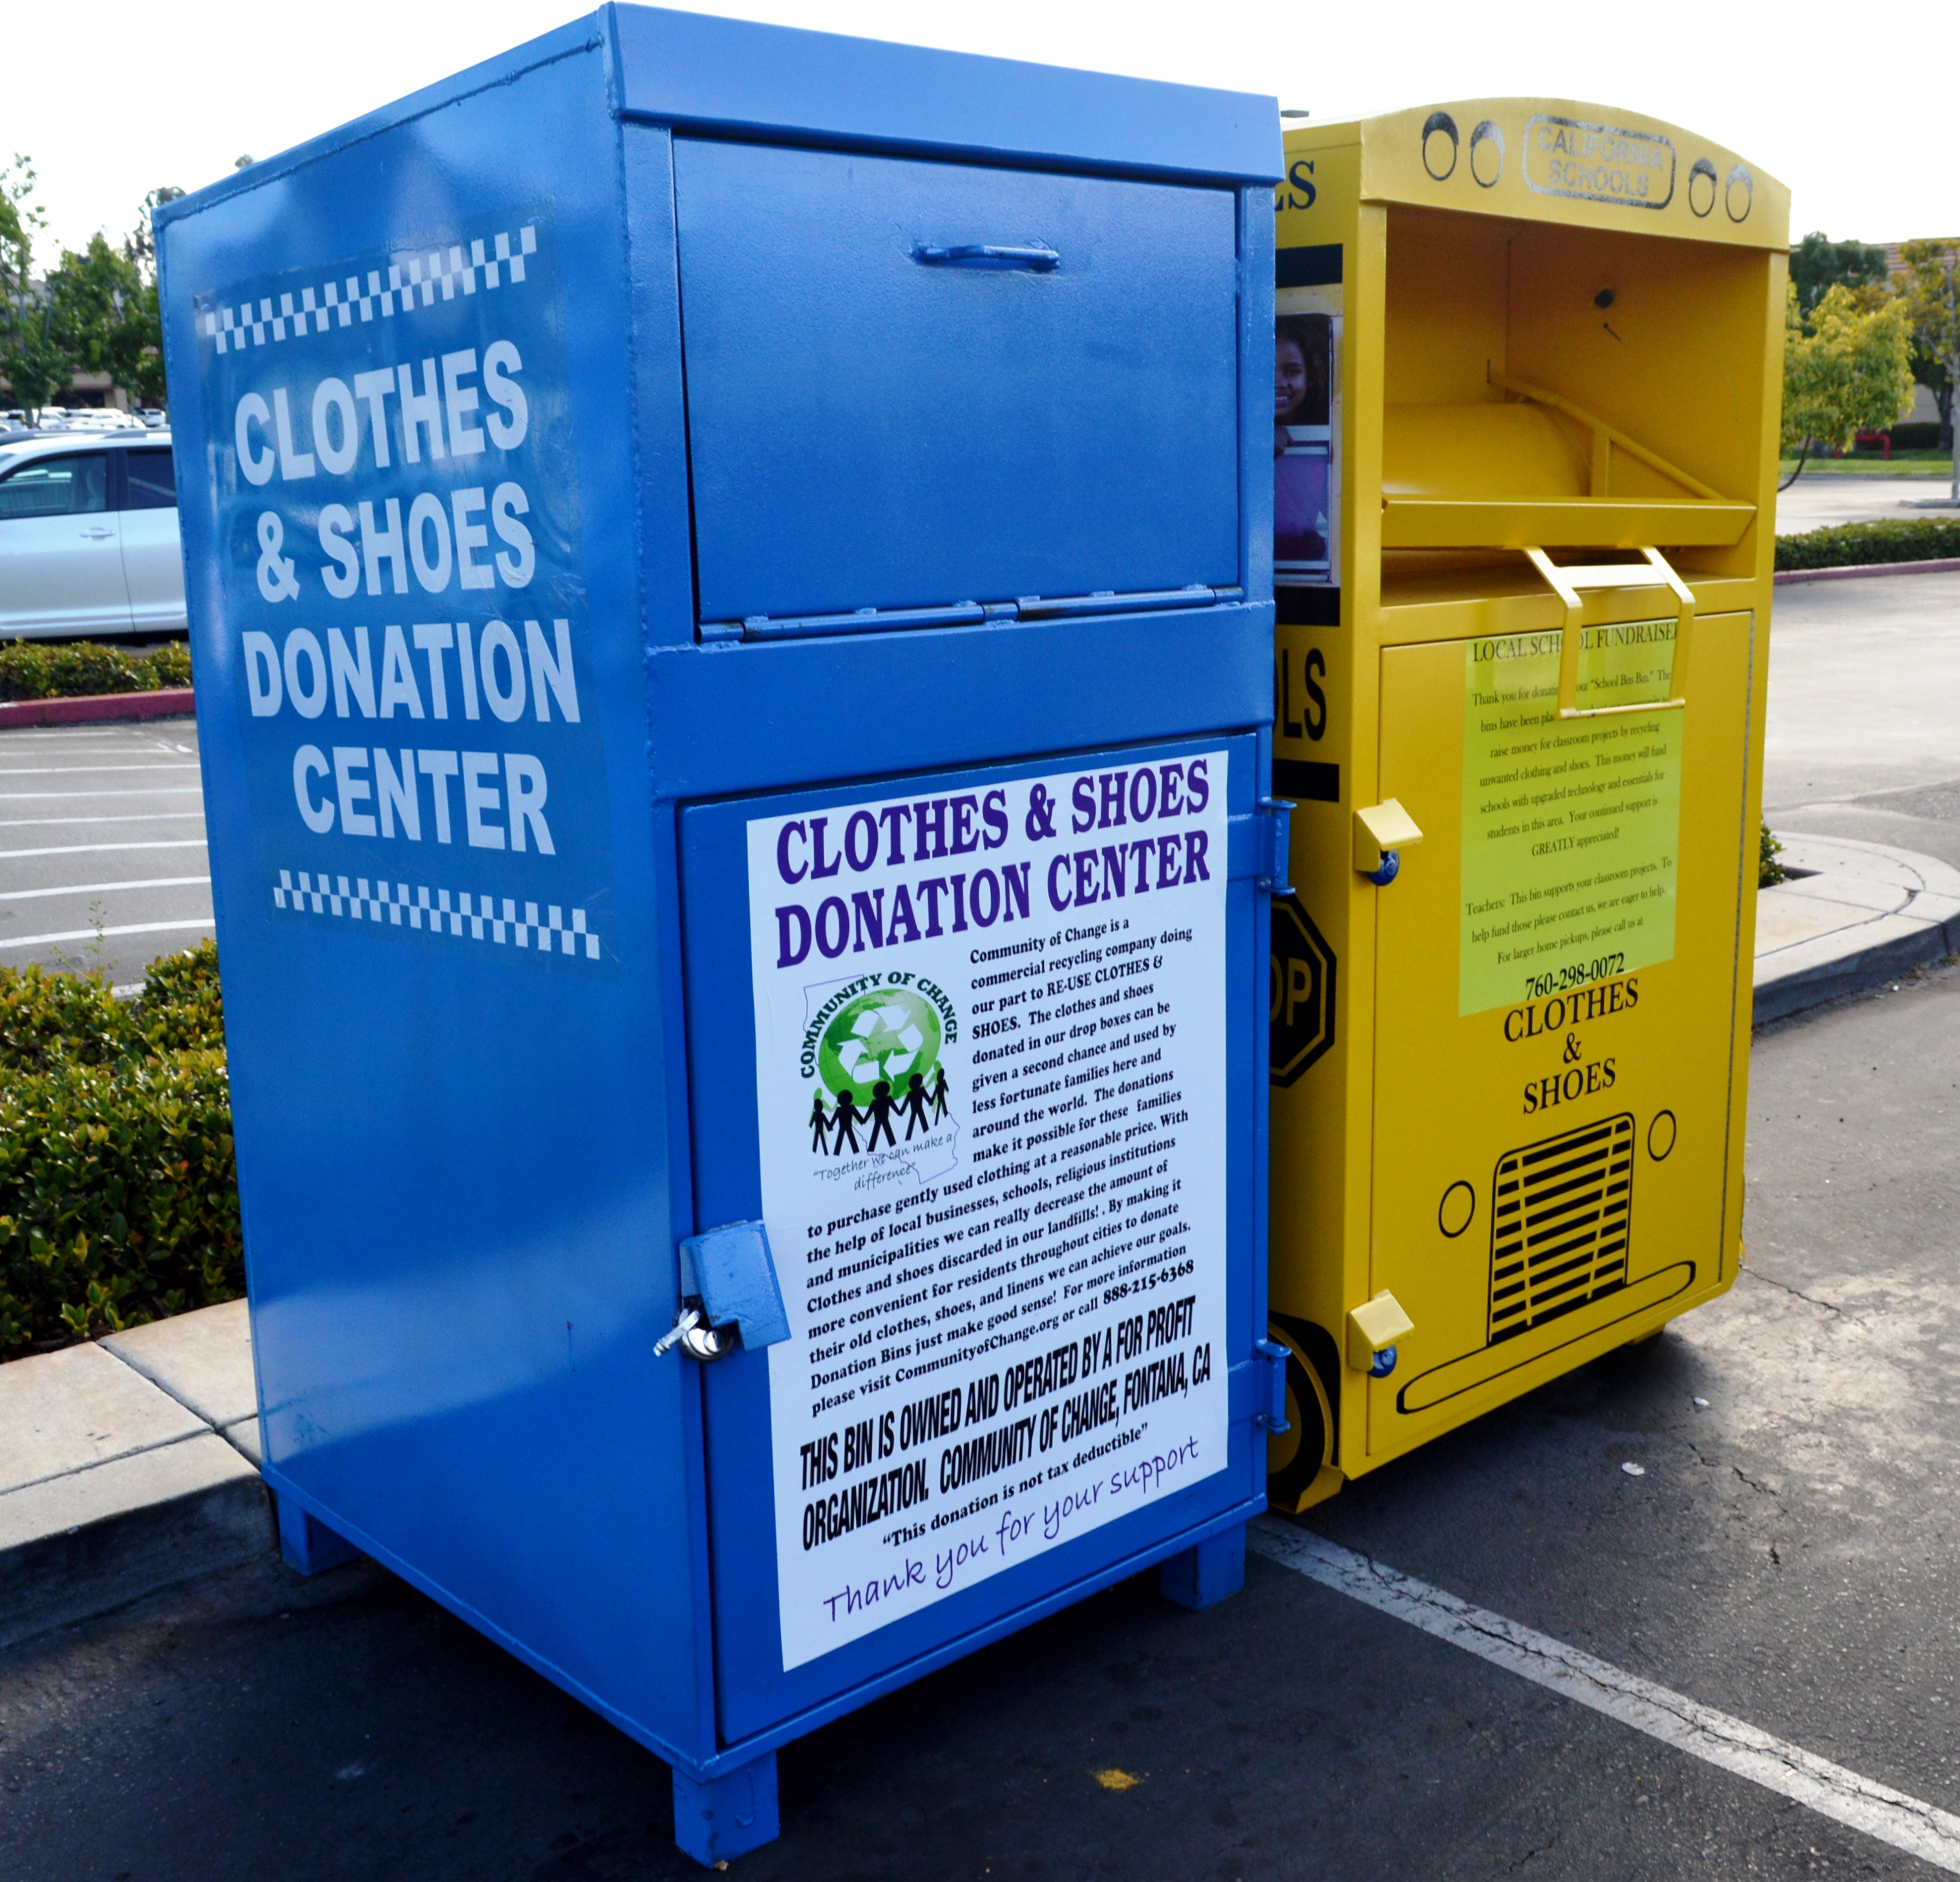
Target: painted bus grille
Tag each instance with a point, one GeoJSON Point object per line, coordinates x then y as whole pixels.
{"type": "Point", "coordinates": [1558, 1227]}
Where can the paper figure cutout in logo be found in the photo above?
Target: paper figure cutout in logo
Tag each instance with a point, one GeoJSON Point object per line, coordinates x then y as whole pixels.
{"type": "Point", "coordinates": [880, 1058]}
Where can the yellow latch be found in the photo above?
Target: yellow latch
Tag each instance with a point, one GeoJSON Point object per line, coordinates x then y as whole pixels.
{"type": "Point", "coordinates": [1373, 1328]}
{"type": "Point", "coordinates": [1382, 832]}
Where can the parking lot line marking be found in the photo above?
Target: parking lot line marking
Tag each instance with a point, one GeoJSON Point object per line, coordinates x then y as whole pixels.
{"type": "Point", "coordinates": [66, 735]}
{"type": "Point", "coordinates": [101, 888]}
{"type": "Point", "coordinates": [63, 771]}
{"type": "Point", "coordinates": [135, 817]}
{"type": "Point", "coordinates": [1731, 1744]}
{"type": "Point", "coordinates": [90, 933]}
{"type": "Point", "coordinates": [168, 791]}
{"type": "Point", "coordinates": [94, 849]}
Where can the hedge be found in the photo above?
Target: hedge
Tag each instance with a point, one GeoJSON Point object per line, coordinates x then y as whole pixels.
{"type": "Point", "coordinates": [118, 1193]}
{"type": "Point", "coordinates": [1850, 545]}
{"type": "Point", "coordinates": [1769, 871]}
{"type": "Point", "coordinates": [35, 670]}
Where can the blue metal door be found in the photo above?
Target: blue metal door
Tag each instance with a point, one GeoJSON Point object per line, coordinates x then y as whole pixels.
{"type": "Point", "coordinates": [1022, 1320]}
{"type": "Point", "coordinates": [916, 383]}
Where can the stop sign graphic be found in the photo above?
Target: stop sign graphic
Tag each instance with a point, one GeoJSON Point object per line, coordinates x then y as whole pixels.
{"type": "Point", "coordinates": [1301, 1005]}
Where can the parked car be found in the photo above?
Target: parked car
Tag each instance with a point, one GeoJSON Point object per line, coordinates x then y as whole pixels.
{"type": "Point", "coordinates": [91, 418]}
{"type": "Point", "coordinates": [88, 536]}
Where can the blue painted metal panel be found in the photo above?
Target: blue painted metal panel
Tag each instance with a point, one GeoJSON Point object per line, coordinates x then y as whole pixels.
{"type": "Point", "coordinates": [459, 1249]}
{"type": "Point", "coordinates": [737, 718]}
{"type": "Point", "coordinates": [873, 430]}
{"type": "Point", "coordinates": [755, 1693]}
{"type": "Point", "coordinates": [659, 405]}
{"type": "Point", "coordinates": [688, 70]}
{"type": "Point", "coordinates": [466, 1166]}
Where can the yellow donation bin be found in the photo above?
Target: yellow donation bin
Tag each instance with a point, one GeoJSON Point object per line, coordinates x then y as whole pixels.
{"type": "Point", "coordinates": [1528, 367]}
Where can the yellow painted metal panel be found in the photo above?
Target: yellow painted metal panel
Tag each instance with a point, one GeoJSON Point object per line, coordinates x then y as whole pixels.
{"type": "Point", "coordinates": [1546, 523]}
{"type": "Point", "coordinates": [1550, 1174]}
{"type": "Point", "coordinates": [1563, 161]}
{"type": "Point", "coordinates": [1516, 364]}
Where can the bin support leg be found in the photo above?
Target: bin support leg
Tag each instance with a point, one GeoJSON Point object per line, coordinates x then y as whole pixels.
{"type": "Point", "coordinates": [307, 1545]}
{"type": "Point", "coordinates": [1207, 1573]}
{"type": "Point", "coordinates": [718, 1818]}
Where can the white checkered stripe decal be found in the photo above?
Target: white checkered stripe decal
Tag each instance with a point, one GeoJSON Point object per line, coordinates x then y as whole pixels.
{"type": "Point", "coordinates": [438, 911]}
{"type": "Point", "coordinates": [415, 278]}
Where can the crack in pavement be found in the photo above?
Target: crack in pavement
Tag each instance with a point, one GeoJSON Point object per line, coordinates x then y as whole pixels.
{"type": "Point", "coordinates": [1750, 1271]}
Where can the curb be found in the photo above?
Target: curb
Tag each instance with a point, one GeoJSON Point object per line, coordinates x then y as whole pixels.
{"type": "Point", "coordinates": [182, 1498]}
{"type": "Point", "coordinates": [140, 1524]}
{"type": "Point", "coordinates": [1884, 945]}
{"type": "Point", "coordinates": [167, 702]}
{"type": "Point", "coordinates": [1941, 566]}
{"type": "Point", "coordinates": [128, 1464]}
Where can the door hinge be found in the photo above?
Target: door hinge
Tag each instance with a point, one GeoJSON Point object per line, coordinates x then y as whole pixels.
{"type": "Point", "coordinates": [1274, 823]}
{"type": "Point", "coordinates": [1272, 1414]}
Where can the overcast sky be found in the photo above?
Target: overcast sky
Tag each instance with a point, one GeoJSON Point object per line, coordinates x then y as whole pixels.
{"type": "Point", "coordinates": [110, 99]}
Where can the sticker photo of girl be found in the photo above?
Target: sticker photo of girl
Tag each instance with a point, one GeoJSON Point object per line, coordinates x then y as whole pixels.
{"type": "Point", "coordinates": [1301, 446]}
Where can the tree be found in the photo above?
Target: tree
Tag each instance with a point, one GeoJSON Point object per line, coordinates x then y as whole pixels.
{"type": "Point", "coordinates": [136, 356]}
{"type": "Point", "coordinates": [1932, 295]}
{"type": "Point", "coordinates": [1817, 264]}
{"type": "Point", "coordinates": [30, 360]}
{"type": "Point", "coordinates": [141, 245]}
{"type": "Point", "coordinates": [89, 293]}
{"type": "Point", "coordinates": [1848, 369]}
{"type": "Point", "coordinates": [104, 318]}
{"type": "Point", "coordinates": [96, 312]}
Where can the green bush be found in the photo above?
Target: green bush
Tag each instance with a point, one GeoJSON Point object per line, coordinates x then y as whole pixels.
{"type": "Point", "coordinates": [1850, 544]}
{"type": "Point", "coordinates": [1769, 871]}
{"type": "Point", "coordinates": [50, 1019]}
{"type": "Point", "coordinates": [34, 670]}
{"type": "Point", "coordinates": [118, 1193]}
{"type": "Point", "coordinates": [182, 1009]}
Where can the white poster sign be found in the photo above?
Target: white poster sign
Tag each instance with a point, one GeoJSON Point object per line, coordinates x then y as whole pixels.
{"type": "Point", "coordinates": [990, 1086]}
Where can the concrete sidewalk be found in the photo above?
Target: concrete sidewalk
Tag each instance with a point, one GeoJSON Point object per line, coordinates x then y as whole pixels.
{"type": "Point", "coordinates": [1853, 915]}
{"type": "Point", "coordinates": [129, 1464]}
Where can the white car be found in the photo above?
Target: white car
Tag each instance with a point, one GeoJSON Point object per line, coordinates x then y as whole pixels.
{"type": "Point", "coordinates": [92, 418]}
{"type": "Point", "coordinates": [88, 536]}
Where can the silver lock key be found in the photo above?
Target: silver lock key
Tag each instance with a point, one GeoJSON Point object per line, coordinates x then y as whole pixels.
{"type": "Point", "coordinates": [692, 1334]}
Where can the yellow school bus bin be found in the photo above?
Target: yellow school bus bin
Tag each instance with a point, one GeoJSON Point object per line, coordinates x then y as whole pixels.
{"type": "Point", "coordinates": [1529, 357]}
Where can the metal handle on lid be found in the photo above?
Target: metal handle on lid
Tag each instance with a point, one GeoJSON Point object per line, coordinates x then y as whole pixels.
{"type": "Point", "coordinates": [1654, 571]}
{"type": "Point", "coordinates": [1039, 260]}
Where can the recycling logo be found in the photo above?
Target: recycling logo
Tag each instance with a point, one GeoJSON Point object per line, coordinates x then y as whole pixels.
{"type": "Point", "coordinates": [889, 1037]}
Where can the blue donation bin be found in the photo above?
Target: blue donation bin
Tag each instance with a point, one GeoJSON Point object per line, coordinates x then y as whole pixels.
{"type": "Point", "coordinates": [730, 573]}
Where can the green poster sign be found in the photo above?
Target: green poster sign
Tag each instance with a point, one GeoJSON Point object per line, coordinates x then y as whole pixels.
{"type": "Point", "coordinates": [1571, 828]}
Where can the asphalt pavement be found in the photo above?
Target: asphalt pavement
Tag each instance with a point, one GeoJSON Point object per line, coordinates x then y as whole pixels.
{"type": "Point", "coordinates": [102, 852]}
{"type": "Point", "coordinates": [1815, 500]}
{"type": "Point", "coordinates": [1787, 1556]}
{"type": "Point", "coordinates": [1864, 708]}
